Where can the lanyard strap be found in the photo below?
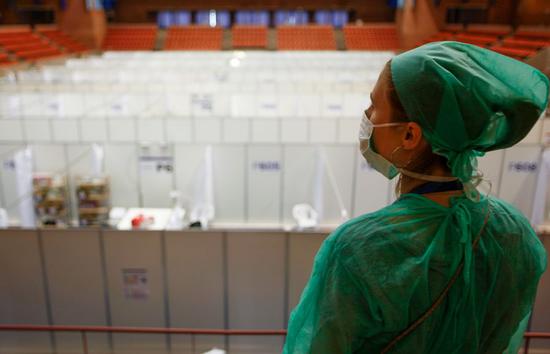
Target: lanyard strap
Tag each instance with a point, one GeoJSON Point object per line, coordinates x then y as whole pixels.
{"type": "Point", "coordinates": [434, 187]}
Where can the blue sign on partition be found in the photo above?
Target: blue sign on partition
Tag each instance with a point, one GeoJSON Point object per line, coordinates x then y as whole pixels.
{"type": "Point", "coordinates": [266, 166]}
{"type": "Point", "coordinates": [523, 166]}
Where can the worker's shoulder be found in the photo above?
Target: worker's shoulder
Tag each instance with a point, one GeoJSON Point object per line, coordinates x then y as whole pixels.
{"type": "Point", "coordinates": [372, 228]}
{"type": "Point", "coordinates": [506, 215]}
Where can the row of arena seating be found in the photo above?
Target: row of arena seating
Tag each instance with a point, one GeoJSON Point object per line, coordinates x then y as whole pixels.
{"type": "Point", "coordinates": [521, 44]}
{"type": "Point", "coordinates": [309, 37]}
{"type": "Point", "coordinates": [19, 44]}
{"type": "Point", "coordinates": [27, 45]}
{"type": "Point", "coordinates": [5, 60]}
{"type": "Point", "coordinates": [130, 38]}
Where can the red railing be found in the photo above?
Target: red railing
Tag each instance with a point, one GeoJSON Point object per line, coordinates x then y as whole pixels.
{"type": "Point", "coordinates": [144, 330]}
{"type": "Point", "coordinates": [190, 331]}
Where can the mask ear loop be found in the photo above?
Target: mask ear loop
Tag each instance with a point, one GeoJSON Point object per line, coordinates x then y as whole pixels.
{"type": "Point", "coordinates": [477, 180]}
{"type": "Point", "coordinates": [397, 190]}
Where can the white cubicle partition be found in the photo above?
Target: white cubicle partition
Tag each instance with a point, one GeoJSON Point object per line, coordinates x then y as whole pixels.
{"type": "Point", "coordinates": [135, 286]}
{"type": "Point", "coordinates": [372, 190]}
{"type": "Point", "coordinates": [519, 177]}
{"type": "Point", "coordinates": [256, 288]}
{"type": "Point", "coordinates": [76, 297]}
{"type": "Point", "coordinates": [23, 298]}
{"type": "Point", "coordinates": [264, 184]}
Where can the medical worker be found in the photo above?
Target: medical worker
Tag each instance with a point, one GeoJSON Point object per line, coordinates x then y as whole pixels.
{"type": "Point", "coordinates": [445, 268]}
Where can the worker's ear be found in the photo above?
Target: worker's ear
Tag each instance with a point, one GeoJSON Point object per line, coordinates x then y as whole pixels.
{"type": "Point", "coordinates": [412, 136]}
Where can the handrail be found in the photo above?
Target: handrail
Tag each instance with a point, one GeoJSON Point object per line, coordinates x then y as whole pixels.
{"type": "Point", "coordinates": [172, 330]}
{"type": "Point", "coordinates": [191, 331]}
{"type": "Point", "coordinates": [151, 330]}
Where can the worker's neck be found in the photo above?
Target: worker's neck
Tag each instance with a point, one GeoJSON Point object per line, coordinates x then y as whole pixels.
{"type": "Point", "coordinates": [409, 183]}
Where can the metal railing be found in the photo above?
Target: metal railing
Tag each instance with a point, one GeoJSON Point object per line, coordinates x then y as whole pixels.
{"type": "Point", "coordinates": [189, 331]}
{"type": "Point", "coordinates": [143, 330]}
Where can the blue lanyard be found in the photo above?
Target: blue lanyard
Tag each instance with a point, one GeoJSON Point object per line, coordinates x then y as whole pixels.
{"type": "Point", "coordinates": [434, 187]}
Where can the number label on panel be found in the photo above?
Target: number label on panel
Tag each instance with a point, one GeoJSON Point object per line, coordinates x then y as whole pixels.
{"type": "Point", "coordinates": [9, 165]}
{"type": "Point", "coordinates": [202, 102]}
{"type": "Point", "coordinates": [266, 166]}
{"type": "Point", "coordinates": [159, 164]}
{"type": "Point", "coordinates": [523, 166]}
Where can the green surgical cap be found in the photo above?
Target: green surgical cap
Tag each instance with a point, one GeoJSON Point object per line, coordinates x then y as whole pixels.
{"type": "Point", "coordinates": [468, 100]}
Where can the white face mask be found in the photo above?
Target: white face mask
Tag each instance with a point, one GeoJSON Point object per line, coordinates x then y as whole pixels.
{"type": "Point", "coordinates": [375, 160]}
{"type": "Point", "coordinates": [380, 163]}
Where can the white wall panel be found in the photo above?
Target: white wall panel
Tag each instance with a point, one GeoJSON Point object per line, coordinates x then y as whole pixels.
{"type": "Point", "coordinates": [178, 103]}
{"type": "Point", "coordinates": [207, 130]}
{"type": "Point", "coordinates": [178, 130]}
{"type": "Point", "coordinates": [93, 130]}
{"type": "Point", "coordinates": [265, 131]}
{"type": "Point", "coordinates": [340, 160]}
{"type": "Point", "coordinates": [332, 105]}
{"type": "Point", "coordinates": [323, 130]}
{"type": "Point", "coordinates": [519, 176]}
{"type": "Point", "coordinates": [22, 299]}
{"type": "Point", "coordinates": [122, 129]}
{"type": "Point", "coordinates": [309, 106]}
{"type": "Point", "coordinates": [298, 176]}
{"type": "Point", "coordinates": [294, 131]}
{"type": "Point", "coordinates": [10, 197]}
{"type": "Point", "coordinates": [229, 182]}
{"type": "Point", "coordinates": [236, 130]}
{"type": "Point", "coordinates": [135, 251]}
{"type": "Point", "coordinates": [150, 130]}
{"type": "Point", "coordinates": [10, 105]}
{"type": "Point", "coordinates": [348, 130]}
{"type": "Point", "coordinates": [77, 297]}
{"type": "Point", "coordinates": [11, 130]}
{"type": "Point", "coordinates": [196, 299]}
{"type": "Point", "coordinates": [264, 184]}
{"type": "Point", "coordinates": [121, 165]}
{"type": "Point", "coordinates": [256, 281]}
{"type": "Point", "coordinates": [37, 130]}
{"type": "Point", "coordinates": [371, 188]}
{"type": "Point", "coordinates": [65, 130]}
{"type": "Point", "coordinates": [49, 158]}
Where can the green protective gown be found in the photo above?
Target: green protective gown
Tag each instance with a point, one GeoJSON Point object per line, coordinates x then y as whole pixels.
{"type": "Point", "coordinates": [378, 273]}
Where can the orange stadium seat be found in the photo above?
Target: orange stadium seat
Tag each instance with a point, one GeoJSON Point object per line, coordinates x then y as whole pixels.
{"type": "Point", "coordinates": [27, 45]}
{"type": "Point", "coordinates": [309, 37]}
{"type": "Point", "coordinates": [130, 38]}
{"type": "Point", "coordinates": [371, 37]}
{"type": "Point", "coordinates": [489, 30]}
{"type": "Point", "coordinates": [39, 53]}
{"type": "Point", "coordinates": [194, 38]}
{"type": "Point", "coordinates": [515, 53]}
{"type": "Point", "coordinates": [534, 34]}
{"type": "Point", "coordinates": [525, 43]}
{"type": "Point", "coordinates": [479, 40]}
{"type": "Point", "coordinates": [249, 36]}
{"type": "Point", "coordinates": [64, 40]}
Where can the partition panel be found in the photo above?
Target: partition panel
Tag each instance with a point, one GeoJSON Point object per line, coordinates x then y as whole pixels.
{"type": "Point", "coordinates": [23, 299]}
{"type": "Point", "coordinates": [136, 288]}
{"type": "Point", "coordinates": [256, 288]}
{"type": "Point", "coordinates": [195, 282]}
{"type": "Point", "coordinates": [75, 283]}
